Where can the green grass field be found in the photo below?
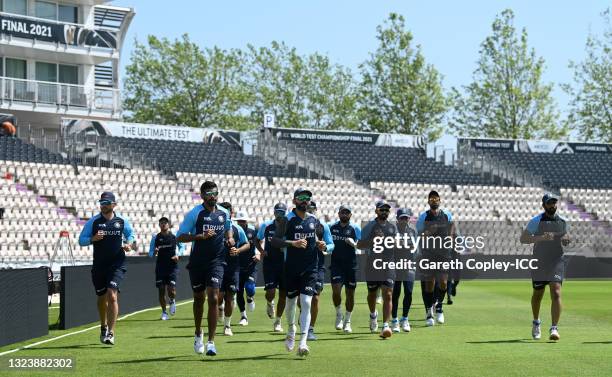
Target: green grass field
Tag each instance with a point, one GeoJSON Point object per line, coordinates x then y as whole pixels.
{"type": "Point", "coordinates": [487, 332]}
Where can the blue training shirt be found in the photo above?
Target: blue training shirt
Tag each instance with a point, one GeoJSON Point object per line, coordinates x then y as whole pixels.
{"type": "Point", "coordinates": [107, 251]}
{"type": "Point", "coordinates": [199, 220]}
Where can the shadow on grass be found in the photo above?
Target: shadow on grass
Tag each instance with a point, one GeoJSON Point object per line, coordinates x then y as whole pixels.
{"type": "Point", "coordinates": [511, 341]}
{"type": "Point", "coordinates": [196, 358]}
{"type": "Point", "coordinates": [602, 342]}
{"type": "Point", "coordinates": [169, 336]}
{"type": "Point", "coordinates": [283, 338]}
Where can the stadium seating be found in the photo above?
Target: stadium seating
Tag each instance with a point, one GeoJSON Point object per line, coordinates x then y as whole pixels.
{"type": "Point", "coordinates": [12, 148]}
{"type": "Point", "coordinates": [215, 158]}
{"type": "Point", "coordinates": [576, 170]}
{"type": "Point", "coordinates": [390, 164]}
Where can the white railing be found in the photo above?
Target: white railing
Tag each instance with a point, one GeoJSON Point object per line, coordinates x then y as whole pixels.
{"type": "Point", "coordinates": [65, 96]}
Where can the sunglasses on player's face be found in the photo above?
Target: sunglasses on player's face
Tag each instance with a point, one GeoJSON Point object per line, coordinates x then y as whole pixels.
{"type": "Point", "coordinates": [303, 198]}
{"type": "Point", "coordinates": [211, 193]}
{"type": "Point", "coordinates": [105, 202]}
{"type": "Point", "coordinates": [383, 209]}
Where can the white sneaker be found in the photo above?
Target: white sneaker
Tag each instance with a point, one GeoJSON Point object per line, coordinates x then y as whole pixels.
{"type": "Point", "coordinates": [395, 326]}
{"type": "Point", "coordinates": [339, 321]}
{"type": "Point", "coordinates": [374, 322]}
{"type": "Point", "coordinates": [440, 317]}
{"type": "Point", "coordinates": [270, 309]}
{"type": "Point", "coordinates": [290, 342]}
{"type": "Point", "coordinates": [243, 321]}
{"type": "Point", "coordinates": [173, 308]}
{"type": "Point", "coordinates": [536, 332]}
{"type": "Point", "coordinates": [211, 350]}
{"type": "Point", "coordinates": [164, 316]}
{"type": "Point", "coordinates": [311, 334]}
{"type": "Point", "coordinates": [347, 327]}
{"type": "Point", "coordinates": [110, 339]}
{"type": "Point", "coordinates": [429, 322]}
{"type": "Point", "coordinates": [277, 325]}
{"type": "Point", "coordinates": [251, 305]}
{"type": "Point", "coordinates": [405, 325]}
{"type": "Point", "coordinates": [227, 331]}
{"type": "Point", "coordinates": [303, 351]}
{"type": "Point", "coordinates": [198, 344]}
{"type": "Point", "coordinates": [554, 333]}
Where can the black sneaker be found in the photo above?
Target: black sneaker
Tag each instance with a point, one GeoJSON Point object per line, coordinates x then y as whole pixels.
{"type": "Point", "coordinates": [110, 339]}
{"type": "Point", "coordinates": [103, 333]}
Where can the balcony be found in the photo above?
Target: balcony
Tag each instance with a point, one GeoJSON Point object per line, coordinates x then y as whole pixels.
{"type": "Point", "coordinates": [58, 98]}
{"type": "Point", "coordinates": [43, 37]}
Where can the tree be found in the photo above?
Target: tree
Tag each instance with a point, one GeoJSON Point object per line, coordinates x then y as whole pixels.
{"type": "Point", "coordinates": [507, 98]}
{"type": "Point", "coordinates": [399, 92]}
{"type": "Point", "coordinates": [302, 91]}
{"type": "Point", "coordinates": [590, 107]}
{"type": "Point", "coordinates": [178, 83]}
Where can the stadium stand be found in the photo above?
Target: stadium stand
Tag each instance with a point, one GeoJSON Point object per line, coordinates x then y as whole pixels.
{"type": "Point", "coordinates": [43, 194]}
{"type": "Point", "coordinates": [588, 170]}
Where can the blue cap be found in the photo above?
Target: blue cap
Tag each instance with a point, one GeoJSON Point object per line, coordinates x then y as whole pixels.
{"type": "Point", "coordinates": [382, 203]}
{"type": "Point", "coordinates": [345, 208]}
{"type": "Point", "coordinates": [548, 197]}
{"type": "Point", "coordinates": [107, 197]}
{"type": "Point", "coordinates": [280, 207]}
{"type": "Point", "coordinates": [301, 190]}
{"type": "Point", "coordinates": [403, 212]}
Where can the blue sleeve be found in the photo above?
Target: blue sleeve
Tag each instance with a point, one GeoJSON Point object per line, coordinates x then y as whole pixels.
{"type": "Point", "coordinates": [357, 231]}
{"type": "Point", "coordinates": [152, 246]}
{"type": "Point", "coordinates": [242, 238]}
{"type": "Point", "coordinates": [188, 226]}
{"type": "Point", "coordinates": [180, 249]}
{"type": "Point", "coordinates": [85, 236]}
{"type": "Point", "coordinates": [449, 215]}
{"type": "Point", "coordinates": [327, 237]}
{"type": "Point", "coordinates": [128, 231]}
{"type": "Point", "coordinates": [261, 234]}
{"type": "Point", "coordinates": [533, 224]}
{"type": "Point", "coordinates": [420, 224]}
{"type": "Point", "coordinates": [228, 221]}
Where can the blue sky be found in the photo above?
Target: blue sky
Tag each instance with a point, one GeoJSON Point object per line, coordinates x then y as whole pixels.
{"type": "Point", "coordinates": [450, 32]}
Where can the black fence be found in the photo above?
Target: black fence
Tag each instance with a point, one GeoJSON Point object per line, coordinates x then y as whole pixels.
{"type": "Point", "coordinates": [25, 312]}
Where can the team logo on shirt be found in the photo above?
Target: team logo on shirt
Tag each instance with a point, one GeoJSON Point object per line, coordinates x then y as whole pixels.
{"type": "Point", "coordinates": [311, 226]}
{"type": "Point", "coordinates": [221, 219]}
{"type": "Point", "coordinates": [117, 225]}
{"type": "Point", "coordinates": [348, 232]}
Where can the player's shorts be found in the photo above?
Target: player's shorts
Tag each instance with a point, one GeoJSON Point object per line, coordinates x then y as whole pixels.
{"type": "Point", "coordinates": [166, 276]}
{"type": "Point", "coordinates": [231, 278]}
{"type": "Point", "coordinates": [374, 285]}
{"type": "Point", "coordinates": [346, 275]}
{"type": "Point", "coordinates": [320, 280]}
{"type": "Point", "coordinates": [107, 277]}
{"type": "Point", "coordinates": [549, 272]}
{"type": "Point", "coordinates": [203, 275]}
{"type": "Point", "coordinates": [274, 275]}
{"type": "Point", "coordinates": [302, 282]}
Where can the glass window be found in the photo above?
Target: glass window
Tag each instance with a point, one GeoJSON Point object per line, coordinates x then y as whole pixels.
{"type": "Point", "coordinates": [46, 72]}
{"type": "Point", "coordinates": [68, 13]}
{"type": "Point", "coordinates": [15, 6]}
{"type": "Point", "coordinates": [16, 68]}
{"type": "Point", "coordinates": [68, 74]}
{"type": "Point", "coordinates": [46, 10]}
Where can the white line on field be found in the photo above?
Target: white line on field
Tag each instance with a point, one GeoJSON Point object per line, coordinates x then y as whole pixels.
{"type": "Point", "coordinates": [83, 330]}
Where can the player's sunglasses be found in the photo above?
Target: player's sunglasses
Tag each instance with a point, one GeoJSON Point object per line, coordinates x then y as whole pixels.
{"type": "Point", "coordinates": [303, 198]}
{"type": "Point", "coordinates": [211, 193]}
{"type": "Point", "coordinates": [105, 202]}
{"type": "Point", "coordinates": [383, 209]}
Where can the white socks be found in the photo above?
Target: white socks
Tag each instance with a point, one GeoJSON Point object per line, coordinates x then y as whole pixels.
{"type": "Point", "coordinates": [228, 321]}
{"type": "Point", "coordinates": [339, 310]}
{"type": "Point", "coordinates": [305, 302]}
{"type": "Point", "coordinates": [290, 312]}
{"type": "Point", "coordinates": [347, 317]}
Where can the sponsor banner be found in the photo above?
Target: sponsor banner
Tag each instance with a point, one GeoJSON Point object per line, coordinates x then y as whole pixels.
{"type": "Point", "coordinates": [149, 131]}
{"type": "Point", "coordinates": [394, 140]}
{"type": "Point", "coordinates": [68, 34]}
{"type": "Point", "coordinates": [538, 146]}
